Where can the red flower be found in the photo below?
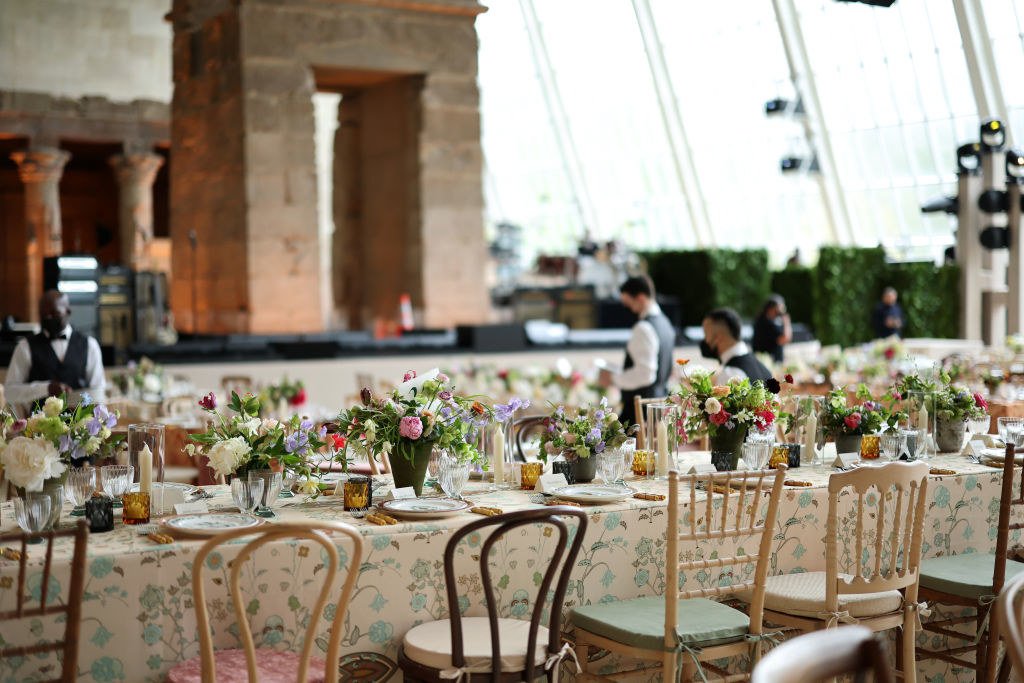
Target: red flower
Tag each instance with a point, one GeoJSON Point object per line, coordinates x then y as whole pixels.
{"type": "Point", "coordinates": [299, 398]}
{"type": "Point", "coordinates": [980, 402]}
{"type": "Point", "coordinates": [719, 418]}
{"type": "Point", "coordinates": [576, 377]}
{"type": "Point", "coordinates": [339, 441]}
{"type": "Point", "coordinates": [502, 374]}
{"type": "Point", "coordinates": [853, 420]}
{"type": "Point", "coordinates": [890, 353]}
{"type": "Point", "coordinates": [789, 378]}
{"type": "Point", "coordinates": [208, 402]}
{"type": "Point", "coordinates": [766, 416]}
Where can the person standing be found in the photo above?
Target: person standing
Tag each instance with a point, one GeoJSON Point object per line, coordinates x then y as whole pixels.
{"type": "Point", "coordinates": [772, 329]}
{"type": "Point", "coordinates": [722, 331]}
{"type": "Point", "coordinates": [648, 361]}
{"type": "Point", "coordinates": [58, 360]}
{"type": "Point", "coordinates": [887, 318]}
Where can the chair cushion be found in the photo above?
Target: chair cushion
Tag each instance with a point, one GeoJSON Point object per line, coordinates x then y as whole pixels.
{"type": "Point", "coordinates": [803, 595]}
{"type": "Point", "coordinates": [430, 644]}
{"type": "Point", "coordinates": [640, 622]}
{"type": "Point", "coordinates": [274, 667]}
{"type": "Point", "coordinates": [966, 576]}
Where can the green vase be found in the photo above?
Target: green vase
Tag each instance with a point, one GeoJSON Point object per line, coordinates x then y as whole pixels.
{"type": "Point", "coordinates": [848, 443]}
{"type": "Point", "coordinates": [727, 447]}
{"type": "Point", "coordinates": [409, 463]}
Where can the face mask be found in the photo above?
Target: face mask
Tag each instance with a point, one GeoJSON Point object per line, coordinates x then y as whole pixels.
{"type": "Point", "coordinates": [706, 350]}
{"type": "Point", "coordinates": [53, 326]}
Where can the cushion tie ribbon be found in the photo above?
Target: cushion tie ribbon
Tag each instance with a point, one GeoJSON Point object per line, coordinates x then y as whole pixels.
{"type": "Point", "coordinates": [456, 674]}
{"type": "Point", "coordinates": [832, 619]}
{"type": "Point", "coordinates": [555, 660]}
{"type": "Point", "coordinates": [682, 647]}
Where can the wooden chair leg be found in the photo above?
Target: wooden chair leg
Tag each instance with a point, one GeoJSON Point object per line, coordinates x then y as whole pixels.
{"type": "Point", "coordinates": [907, 641]}
{"type": "Point", "coordinates": [1004, 671]}
{"type": "Point", "coordinates": [581, 652]}
{"type": "Point", "coordinates": [981, 649]}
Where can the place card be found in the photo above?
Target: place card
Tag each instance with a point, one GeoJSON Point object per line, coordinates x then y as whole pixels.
{"type": "Point", "coordinates": [828, 453]}
{"type": "Point", "coordinates": [703, 468]}
{"type": "Point", "coordinates": [846, 460]}
{"type": "Point", "coordinates": [198, 507]}
{"type": "Point", "coordinates": [549, 482]}
{"type": "Point", "coordinates": [165, 498]}
{"type": "Point", "coordinates": [404, 492]}
{"type": "Point", "coordinates": [975, 447]}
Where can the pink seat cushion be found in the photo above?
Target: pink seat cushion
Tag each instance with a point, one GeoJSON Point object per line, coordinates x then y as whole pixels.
{"type": "Point", "coordinates": [274, 667]}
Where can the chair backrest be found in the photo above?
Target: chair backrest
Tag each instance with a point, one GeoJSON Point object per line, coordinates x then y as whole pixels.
{"type": "Point", "coordinates": [561, 562]}
{"type": "Point", "coordinates": [523, 426]}
{"type": "Point", "coordinates": [1004, 527]}
{"type": "Point", "coordinates": [823, 655]}
{"type": "Point", "coordinates": [1009, 621]}
{"type": "Point", "coordinates": [720, 523]}
{"type": "Point", "coordinates": [237, 383]}
{"type": "Point", "coordinates": [887, 546]}
{"type": "Point", "coordinates": [72, 608]}
{"type": "Point", "coordinates": [310, 530]}
{"type": "Point", "coordinates": [641, 421]}
{"type": "Point", "coordinates": [179, 405]}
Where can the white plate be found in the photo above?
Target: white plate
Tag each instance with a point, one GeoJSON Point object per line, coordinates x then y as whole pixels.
{"type": "Point", "coordinates": [1000, 454]}
{"type": "Point", "coordinates": [187, 489]}
{"type": "Point", "coordinates": [593, 493]}
{"type": "Point", "coordinates": [424, 508]}
{"type": "Point", "coordinates": [211, 524]}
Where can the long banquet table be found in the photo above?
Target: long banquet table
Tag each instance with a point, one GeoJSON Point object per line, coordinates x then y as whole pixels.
{"type": "Point", "coordinates": [138, 618]}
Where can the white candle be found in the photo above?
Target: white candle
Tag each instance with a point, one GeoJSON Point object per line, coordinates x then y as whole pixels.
{"type": "Point", "coordinates": [146, 470]}
{"type": "Point", "coordinates": [662, 449]}
{"type": "Point", "coordinates": [498, 457]}
{"type": "Point", "coordinates": [811, 438]}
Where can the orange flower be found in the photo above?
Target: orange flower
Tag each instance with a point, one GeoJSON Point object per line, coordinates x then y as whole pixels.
{"type": "Point", "coordinates": [682, 361]}
{"type": "Point", "coordinates": [721, 391]}
{"type": "Point", "coordinates": [478, 408]}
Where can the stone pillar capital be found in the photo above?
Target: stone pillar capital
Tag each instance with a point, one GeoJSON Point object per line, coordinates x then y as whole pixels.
{"type": "Point", "coordinates": [135, 175]}
{"type": "Point", "coordinates": [40, 164]}
{"type": "Point", "coordinates": [136, 169]}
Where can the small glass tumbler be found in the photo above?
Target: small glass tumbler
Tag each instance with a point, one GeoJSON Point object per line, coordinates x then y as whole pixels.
{"type": "Point", "coordinates": [136, 507]}
{"type": "Point", "coordinates": [247, 493]}
{"type": "Point", "coordinates": [271, 490]}
{"type": "Point", "coordinates": [780, 456]}
{"type": "Point", "coordinates": [33, 512]}
{"type": "Point", "coordinates": [357, 493]}
{"type": "Point", "coordinates": [566, 468]}
{"type": "Point", "coordinates": [643, 462]}
{"type": "Point", "coordinates": [116, 480]}
{"type": "Point", "coordinates": [287, 482]}
{"type": "Point", "coordinates": [99, 512]}
{"type": "Point", "coordinates": [1003, 423]}
{"type": "Point", "coordinates": [452, 475]}
{"type": "Point", "coordinates": [890, 445]}
{"type": "Point", "coordinates": [80, 486]}
{"type": "Point", "coordinates": [531, 474]}
{"type": "Point", "coordinates": [869, 446]}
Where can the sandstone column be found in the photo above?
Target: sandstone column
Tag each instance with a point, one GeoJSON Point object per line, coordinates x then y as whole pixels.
{"type": "Point", "coordinates": [40, 168]}
{"type": "Point", "coordinates": [135, 175]}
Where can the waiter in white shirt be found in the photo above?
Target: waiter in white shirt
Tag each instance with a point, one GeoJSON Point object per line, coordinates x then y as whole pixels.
{"type": "Point", "coordinates": [56, 361]}
{"type": "Point", "coordinates": [648, 352]}
{"type": "Point", "coordinates": [722, 331]}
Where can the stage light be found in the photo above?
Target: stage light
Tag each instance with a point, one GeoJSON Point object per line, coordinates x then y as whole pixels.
{"type": "Point", "coordinates": [781, 105]}
{"type": "Point", "coordinates": [1014, 166]}
{"type": "Point", "coordinates": [950, 204]}
{"type": "Point", "coordinates": [968, 158]}
{"type": "Point", "coordinates": [995, 238]}
{"type": "Point", "coordinates": [992, 201]}
{"type": "Point", "coordinates": [993, 135]}
{"type": "Point", "coordinates": [790, 164]}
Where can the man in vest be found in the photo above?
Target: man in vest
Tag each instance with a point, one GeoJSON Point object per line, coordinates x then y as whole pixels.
{"type": "Point", "coordinates": [722, 332]}
{"type": "Point", "coordinates": [648, 352]}
{"type": "Point", "coordinates": [56, 361]}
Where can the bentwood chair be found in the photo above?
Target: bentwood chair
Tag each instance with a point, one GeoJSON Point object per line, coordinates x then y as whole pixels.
{"type": "Point", "coordinates": [250, 665]}
{"type": "Point", "coordinates": [880, 592]}
{"type": "Point", "coordinates": [492, 648]}
{"type": "Point", "coordinates": [973, 580]}
{"type": "Point", "coordinates": [72, 608]}
{"type": "Point", "coordinates": [522, 427]}
{"type": "Point", "coordinates": [239, 384]}
{"type": "Point", "coordinates": [823, 655]}
{"type": "Point", "coordinates": [685, 630]}
{"type": "Point", "coordinates": [1009, 625]}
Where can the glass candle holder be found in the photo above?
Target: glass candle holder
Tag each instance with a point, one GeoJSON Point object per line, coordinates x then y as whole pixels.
{"type": "Point", "coordinates": [869, 446]}
{"type": "Point", "coordinates": [566, 468]}
{"type": "Point", "coordinates": [99, 511]}
{"type": "Point", "coordinates": [643, 462]}
{"type": "Point", "coordinates": [531, 473]}
{"type": "Point", "coordinates": [780, 456]}
{"type": "Point", "coordinates": [357, 493]}
{"type": "Point", "coordinates": [136, 507]}
{"type": "Point", "coordinates": [661, 437]}
{"type": "Point", "coordinates": [146, 454]}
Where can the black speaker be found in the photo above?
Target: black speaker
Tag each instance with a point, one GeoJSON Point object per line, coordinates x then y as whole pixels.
{"type": "Point", "coordinates": [75, 275]}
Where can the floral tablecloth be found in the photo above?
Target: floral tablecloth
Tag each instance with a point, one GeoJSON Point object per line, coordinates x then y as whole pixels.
{"type": "Point", "coordinates": [139, 621]}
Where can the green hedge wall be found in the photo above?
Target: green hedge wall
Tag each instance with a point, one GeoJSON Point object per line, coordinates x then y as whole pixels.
{"type": "Point", "coordinates": [796, 285]}
{"type": "Point", "coordinates": [929, 296]}
{"type": "Point", "coordinates": [847, 284]}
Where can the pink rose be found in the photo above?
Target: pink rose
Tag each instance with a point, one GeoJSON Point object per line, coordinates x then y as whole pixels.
{"type": "Point", "coordinates": [853, 420]}
{"type": "Point", "coordinates": [719, 418]}
{"type": "Point", "coordinates": [410, 427]}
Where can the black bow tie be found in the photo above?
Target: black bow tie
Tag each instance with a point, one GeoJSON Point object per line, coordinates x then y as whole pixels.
{"type": "Point", "coordinates": [54, 337]}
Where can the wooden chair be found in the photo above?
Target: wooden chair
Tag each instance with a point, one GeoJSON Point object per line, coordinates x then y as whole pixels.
{"type": "Point", "coordinates": [820, 656]}
{"type": "Point", "coordinates": [491, 648]}
{"type": "Point", "coordinates": [685, 629]}
{"type": "Point", "coordinates": [72, 608]}
{"type": "Point", "coordinates": [1009, 625]}
{"type": "Point", "coordinates": [522, 427]}
{"type": "Point", "coordinates": [179, 405]}
{"type": "Point", "coordinates": [210, 664]}
{"type": "Point", "coordinates": [974, 580]}
{"type": "Point", "coordinates": [883, 592]}
{"type": "Point", "coordinates": [240, 384]}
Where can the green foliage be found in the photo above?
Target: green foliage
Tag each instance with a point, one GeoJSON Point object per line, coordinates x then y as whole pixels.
{"type": "Point", "coordinates": [847, 284]}
{"type": "Point", "coordinates": [929, 296]}
{"type": "Point", "coordinates": [796, 285]}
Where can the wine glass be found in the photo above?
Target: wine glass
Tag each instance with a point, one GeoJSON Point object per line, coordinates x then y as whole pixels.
{"type": "Point", "coordinates": [287, 482]}
{"type": "Point", "coordinates": [271, 490]}
{"type": "Point", "coordinates": [247, 493]}
{"type": "Point", "coordinates": [33, 512]}
{"type": "Point", "coordinates": [81, 484]}
{"type": "Point", "coordinates": [116, 480]}
{"type": "Point", "coordinates": [1004, 423]}
{"type": "Point", "coordinates": [452, 475]}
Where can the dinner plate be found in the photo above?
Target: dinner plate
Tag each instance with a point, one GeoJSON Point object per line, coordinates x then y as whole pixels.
{"type": "Point", "coordinates": [424, 508]}
{"type": "Point", "coordinates": [187, 489]}
{"type": "Point", "coordinates": [1000, 454]}
{"type": "Point", "coordinates": [593, 493]}
{"type": "Point", "coordinates": [211, 523]}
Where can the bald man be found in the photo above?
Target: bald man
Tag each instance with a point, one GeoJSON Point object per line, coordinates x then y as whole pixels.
{"type": "Point", "coordinates": [56, 361]}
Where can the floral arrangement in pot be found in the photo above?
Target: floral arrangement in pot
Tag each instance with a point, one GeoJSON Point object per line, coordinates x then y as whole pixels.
{"type": "Point", "coordinates": [37, 452]}
{"type": "Point", "coordinates": [726, 412]}
{"type": "Point", "coordinates": [144, 379]}
{"type": "Point", "coordinates": [848, 423]}
{"type": "Point", "coordinates": [283, 394]}
{"type": "Point", "coordinates": [421, 414]}
{"type": "Point", "coordinates": [581, 435]}
{"type": "Point", "coordinates": [243, 442]}
{"type": "Point", "coordinates": [951, 406]}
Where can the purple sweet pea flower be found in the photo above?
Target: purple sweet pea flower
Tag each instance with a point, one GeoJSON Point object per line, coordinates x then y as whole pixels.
{"type": "Point", "coordinates": [730, 425]}
{"type": "Point", "coordinates": [604, 401]}
{"type": "Point", "coordinates": [560, 411]}
{"type": "Point", "coordinates": [296, 443]}
{"type": "Point", "coordinates": [599, 448]}
{"type": "Point", "coordinates": [599, 415]}
{"type": "Point", "coordinates": [306, 425]}
{"type": "Point", "coordinates": [594, 435]}
{"type": "Point", "coordinates": [65, 443]}
{"type": "Point", "coordinates": [93, 427]}
{"type": "Point", "coordinates": [323, 432]}
{"type": "Point", "coordinates": [104, 416]}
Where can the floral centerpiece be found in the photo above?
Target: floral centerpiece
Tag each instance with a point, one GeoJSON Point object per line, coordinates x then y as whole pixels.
{"type": "Point", "coordinates": [581, 435]}
{"type": "Point", "coordinates": [848, 423]}
{"type": "Point", "coordinates": [243, 442]}
{"type": "Point", "coordinates": [421, 414]}
{"type": "Point", "coordinates": [952, 406]}
{"type": "Point", "coordinates": [726, 412]}
{"type": "Point", "coordinates": [144, 380]}
{"type": "Point", "coordinates": [283, 394]}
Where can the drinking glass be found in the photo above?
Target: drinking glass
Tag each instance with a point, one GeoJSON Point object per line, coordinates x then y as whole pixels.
{"type": "Point", "coordinates": [271, 490]}
{"type": "Point", "coordinates": [610, 466]}
{"type": "Point", "coordinates": [891, 445]}
{"type": "Point", "coordinates": [979, 425]}
{"type": "Point", "coordinates": [432, 466]}
{"type": "Point", "coordinates": [80, 486]}
{"type": "Point", "coordinates": [530, 474]}
{"type": "Point", "coordinates": [911, 443]}
{"type": "Point", "coordinates": [357, 493]}
{"type": "Point", "coordinates": [246, 493]}
{"type": "Point", "coordinates": [452, 475]}
{"type": "Point", "coordinates": [869, 446]}
{"type": "Point", "coordinates": [115, 480]}
{"type": "Point", "coordinates": [756, 454]}
{"type": "Point", "coordinates": [287, 482]}
{"type": "Point", "coordinates": [100, 513]}
{"type": "Point", "coordinates": [1003, 423]}
{"type": "Point", "coordinates": [642, 463]}
{"type": "Point", "coordinates": [33, 512]}
{"type": "Point", "coordinates": [136, 507]}
{"type": "Point", "coordinates": [565, 468]}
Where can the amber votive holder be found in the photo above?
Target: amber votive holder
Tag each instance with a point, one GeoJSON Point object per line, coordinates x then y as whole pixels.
{"type": "Point", "coordinates": [136, 507]}
{"type": "Point", "coordinates": [643, 463]}
{"type": "Point", "coordinates": [869, 446]}
{"type": "Point", "coordinates": [99, 511]}
{"type": "Point", "coordinates": [357, 493]}
{"type": "Point", "coordinates": [531, 474]}
{"type": "Point", "coordinates": [780, 456]}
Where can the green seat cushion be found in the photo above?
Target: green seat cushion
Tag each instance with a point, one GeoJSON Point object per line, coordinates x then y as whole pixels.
{"type": "Point", "coordinates": [640, 622]}
{"type": "Point", "coordinates": [966, 576]}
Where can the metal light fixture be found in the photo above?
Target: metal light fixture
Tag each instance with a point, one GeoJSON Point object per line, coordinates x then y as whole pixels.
{"type": "Point", "coordinates": [1015, 166]}
{"type": "Point", "coordinates": [968, 158]}
{"type": "Point", "coordinates": [993, 135]}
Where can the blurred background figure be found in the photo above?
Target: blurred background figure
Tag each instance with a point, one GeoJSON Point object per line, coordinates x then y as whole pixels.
{"type": "Point", "coordinates": [772, 329]}
{"type": "Point", "coordinates": [887, 319]}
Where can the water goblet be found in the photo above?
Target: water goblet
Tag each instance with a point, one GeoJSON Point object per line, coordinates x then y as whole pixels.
{"type": "Point", "coordinates": [116, 479]}
{"type": "Point", "coordinates": [756, 454]}
{"type": "Point", "coordinates": [452, 475]}
{"type": "Point", "coordinates": [271, 490]}
{"type": "Point", "coordinates": [81, 484]}
{"type": "Point", "coordinates": [247, 493]}
{"type": "Point", "coordinates": [1003, 423]}
{"type": "Point", "coordinates": [891, 444]}
{"type": "Point", "coordinates": [287, 482]}
{"type": "Point", "coordinates": [33, 513]}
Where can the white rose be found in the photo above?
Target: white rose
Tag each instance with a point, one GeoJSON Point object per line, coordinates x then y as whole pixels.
{"type": "Point", "coordinates": [712, 406]}
{"type": "Point", "coordinates": [29, 462]}
{"type": "Point", "coordinates": [226, 456]}
{"type": "Point", "coordinates": [53, 406]}
{"type": "Point", "coordinates": [736, 380]}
